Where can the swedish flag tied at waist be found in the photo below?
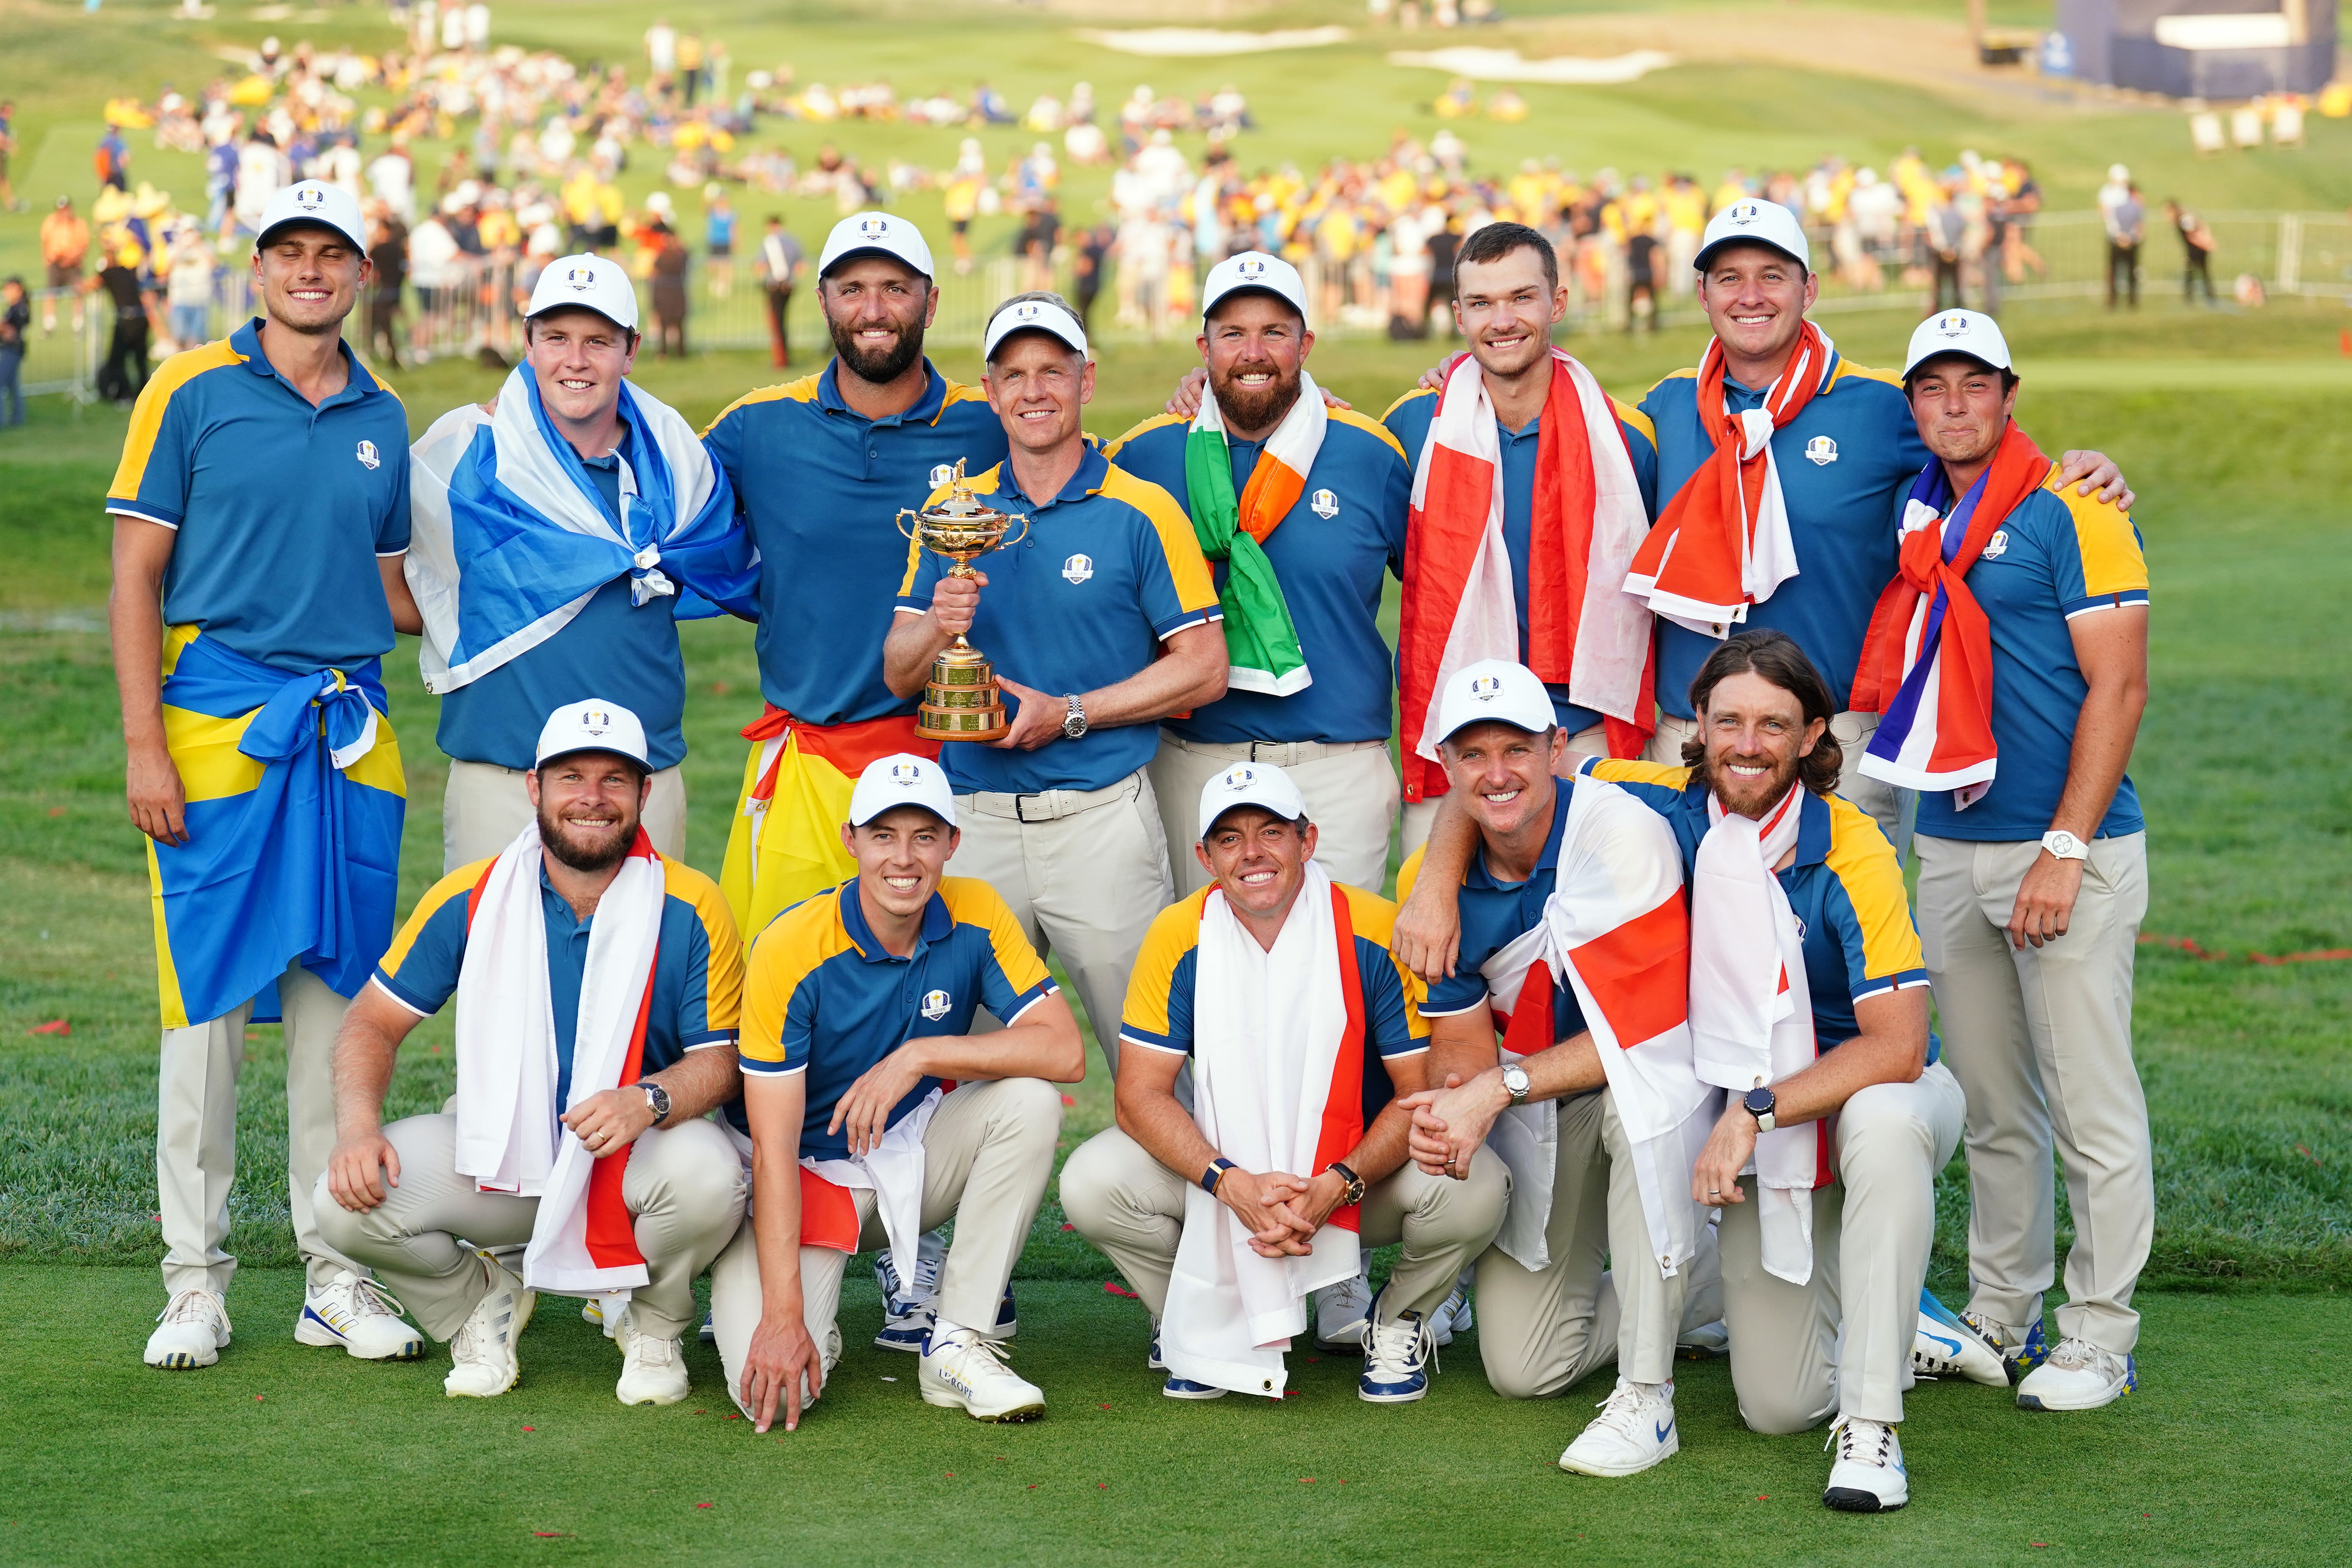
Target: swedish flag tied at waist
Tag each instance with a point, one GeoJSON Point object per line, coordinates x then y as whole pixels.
{"type": "Point", "coordinates": [295, 797]}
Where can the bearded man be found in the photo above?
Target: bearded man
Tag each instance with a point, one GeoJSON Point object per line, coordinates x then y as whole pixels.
{"type": "Point", "coordinates": [597, 984]}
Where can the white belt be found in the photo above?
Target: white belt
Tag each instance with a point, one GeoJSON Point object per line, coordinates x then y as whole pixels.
{"type": "Point", "coordinates": [1281, 753]}
{"type": "Point", "coordinates": [1052, 804]}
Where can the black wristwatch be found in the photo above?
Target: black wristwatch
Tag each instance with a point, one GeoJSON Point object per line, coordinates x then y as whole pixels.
{"type": "Point", "coordinates": [1354, 1192]}
{"type": "Point", "coordinates": [658, 1099]}
{"type": "Point", "coordinates": [1760, 1103]}
{"type": "Point", "coordinates": [1215, 1173]}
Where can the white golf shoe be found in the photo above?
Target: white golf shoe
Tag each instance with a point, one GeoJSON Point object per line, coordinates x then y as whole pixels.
{"type": "Point", "coordinates": [653, 1369]}
{"type": "Point", "coordinates": [355, 1312]}
{"type": "Point", "coordinates": [1635, 1430]}
{"type": "Point", "coordinates": [1341, 1313]}
{"type": "Point", "coordinates": [1868, 1476]}
{"type": "Point", "coordinates": [961, 1371]}
{"type": "Point", "coordinates": [191, 1331]}
{"type": "Point", "coordinates": [482, 1355]}
{"type": "Point", "coordinates": [1942, 1345]}
{"type": "Point", "coordinates": [2078, 1376]}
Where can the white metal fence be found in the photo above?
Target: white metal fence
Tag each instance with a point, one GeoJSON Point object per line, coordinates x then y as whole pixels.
{"type": "Point", "coordinates": [2300, 254]}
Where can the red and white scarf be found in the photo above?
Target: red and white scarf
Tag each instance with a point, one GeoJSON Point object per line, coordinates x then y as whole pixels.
{"type": "Point", "coordinates": [1927, 663]}
{"type": "Point", "coordinates": [1723, 542]}
{"type": "Point", "coordinates": [1751, 1011]}
{"type": "Point", "coordinates": [509, 1140]}
{"type": "Point", "coordinates": [1278, 1085]}
{"type": "Point", "coordinates": [1459, 605]}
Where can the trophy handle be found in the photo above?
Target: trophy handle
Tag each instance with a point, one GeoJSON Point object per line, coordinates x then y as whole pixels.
{"type": "Point", "coordinates": [1009, 544]}
{"type": "Point", "coordinates": [903, 513]}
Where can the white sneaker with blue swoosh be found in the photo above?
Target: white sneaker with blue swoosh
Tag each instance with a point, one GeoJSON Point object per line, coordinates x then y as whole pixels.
{"type": "Point", "coordinates": [1635, 1430]}
{"type": "Point", "coordinates": [355, 1312]}
{"type": "Point", "coordinates": [1868, 1476]}
{"type": "Point", "coordinates": [1944, 1346]}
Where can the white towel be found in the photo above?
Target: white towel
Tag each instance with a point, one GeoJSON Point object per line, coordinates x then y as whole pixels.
{"type": "Point", "coordinates": [893, 1171]}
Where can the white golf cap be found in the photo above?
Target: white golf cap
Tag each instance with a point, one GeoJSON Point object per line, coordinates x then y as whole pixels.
{"type": "Point", "coordinates": [593, 724]}
{"type": "Point", "coordinates": [1969, 332]}
{"type": "Point", "coordinates": [586, 283]}
{"type": "Point", "coordinates": [901, 779]}
{"type": "Point", "coordinates": [1254, 269]}
{"type": "Point", "coordinates": [875, 233]}
{"type": "Point", "coordinates": [1033, 316]}
{"type": "Point", "coordinates": [1754, 221]}
{"type": "Point", "coordinates": [1495, 690]}
{"type": "Point", "coordinates": [313, 203]}
{"type": "Point", "coordinates": [1261, 784]}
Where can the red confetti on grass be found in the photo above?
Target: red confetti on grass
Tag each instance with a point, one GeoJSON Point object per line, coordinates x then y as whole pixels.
{"type": "Point", "coordinates": [1033, 1485]}
{"type": "Point", "coordinates": [57, 810]}
{"type": "Point", "coordinates": [951, 1475]}
{"type": "Point", "coordinates": [1069, 1099]}
{"type": "Point", "coordinates": [530, 1429]}
{"type": "Point", "coordinates": [257, 1399]}
{"type": "Point", "coordinates": [2037, 1544]}
{"type": "Point", "coordinates": [1293, 1393]}
{"type": "Point", "coordinates": [704, 1505]}
{"type": "Point", "coordinates": [1763, 1497]}
{"type": "Point", "coordinates": [54, 1027]}
{"type": "Point", "coordinates": [2304, 1150]}
{"type": "Point", "coordinates": [1306, 1480]}
{"type": "Point", "coordinates": [551, 1535]}
{"type": "Point", "coordinates": [734, 1415]}
{"type": "Point", "coordinates": [719, 688]}
{"type": "Point", "coordinates": [1070, 1227]}
{"type": "Point", "coordinates": [1102, 1486]}
{"type": "Point", "coordinates": [2215, 955]}
{"type": "Point", "coordinates": [1106, 1407]}
{"type": "Point", "coordinates": [1112, 1286]}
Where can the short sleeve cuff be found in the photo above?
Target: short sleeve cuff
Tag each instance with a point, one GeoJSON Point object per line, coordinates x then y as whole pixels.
{"type": "Point", "coordinates": [1417, 1044]}
{"type": "Point", "coordinates": [415, 1002]}
{"type": "Point", "coordinates": [764, 1068]}
{"type": "Point", "coordinates": [704, 1039]}
{"type": "Point", "coordinates": [1452, 998]}
{"type": "Point", "coordinates": [2123, 600]}
{"type": "Point", "coordinates": [1130, 1035]}
{"type": "Point", "coordinates": [145, 512]}
{"type": "Point", "coordinates": [1030, 998]}
{"type": "Point", "coordinates": [1880, 986]}
{"type": "Point", "coordinates": [1185, 621]}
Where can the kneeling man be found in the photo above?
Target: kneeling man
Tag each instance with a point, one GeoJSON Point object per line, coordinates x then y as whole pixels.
{"type": "Point", "coordinates": [1575, 948]}
{"type": "Point", "coordinates": [875, 1114]}
{"type": "Point", "coordinates": [593, 980]}
{"type": "Point", "coordinates": [1808, 997]}
{"type": "Point", "coordinates": [1277, 985]}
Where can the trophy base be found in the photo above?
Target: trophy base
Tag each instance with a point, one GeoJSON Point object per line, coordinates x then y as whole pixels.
{"type": "Point", "coordinates": [962, 701]}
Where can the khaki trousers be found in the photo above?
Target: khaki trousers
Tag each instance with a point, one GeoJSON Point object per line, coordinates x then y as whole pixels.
{"type": "Point", "coordinates": [2041, 1039]}
{"type": "Point", "coordinates": [1133, 1206]}
{"type": "Point", "coordinates": [1841, 1341]}
{"type": "Point", "coordinates": [1890, 807]}
{"type": "Point", "coordinates": [195, 1133]}
{"type": "Point", "coordinates": [1540, 1332]}
{"type": "Point", "coordinates": [1351, 797]}
{"type": "Point", "coordinates": [1084, 871]}
{"type": "Point", "coordinates": [684, 1185]}
{"type": "Point", "coordinates": [486, 805]}
{"type": "Point", "coordinates": [987, 1156]}
{"type": "Point", "coordinates": [1421, 815]}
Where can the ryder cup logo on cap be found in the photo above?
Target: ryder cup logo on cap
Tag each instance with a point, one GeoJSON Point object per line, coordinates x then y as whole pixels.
{"type": "Point", "coordinates": [587, 282]}
{"type": "Point", "coordinates": [1494, 690]}
{"type": "Point", "coordinates": [312, 203]}
{"type": "Point", "coordinates": [1254, 269]}
{"type": "Point", "coordinates": [1969, 332]}
{"type": "Point", "coordinates": [1033, 315]}
{"type": "Point", "coordinates": [875, 234]}
{"type": "Point", "coordinates": [595, 725]}
{"type": "Point", "coordinates": [1753, 222]}
{"type": "Point", "coordinates": [1261, 784]}
{"type": "Point", "coordinates": [904, 779]}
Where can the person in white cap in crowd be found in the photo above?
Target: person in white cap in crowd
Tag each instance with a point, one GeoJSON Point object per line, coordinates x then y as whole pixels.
{"type": "Point", "coordinates": [875, 1111]}
{"type": "Point", "coordinates": [1100, 622]}
{"type": "Point", "coordinates": [559, 533]}
{"type": "Point", "coordinates": [1824, 1161]}
{"type": "Point", "coordinates": [1279, 987]}
{"type": "Point", "coordinates": [597, 982]}
{"type": "Point", "coordinates": [1300, 509]}
{"type": "Point", "coordinates": [2032, 876]}
{"type": "Point", "coordinates": [260, 515]}
{"type": "Point", "coordinates": [1575, 957]}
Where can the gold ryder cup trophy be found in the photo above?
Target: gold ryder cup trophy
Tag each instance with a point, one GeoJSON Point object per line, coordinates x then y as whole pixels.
{"type": "Point", "coordinates": [961, 702]}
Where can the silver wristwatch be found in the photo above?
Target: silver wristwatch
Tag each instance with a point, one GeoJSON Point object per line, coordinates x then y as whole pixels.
{"type": "Point", "coordinates": [1516, 1083]}
{"type": "Point", "coordinates": [2065, 846]}
{"type": "Point", "coordinates": [1075, 724]}
{"type": "Point", "coordinates": [657, 1100]}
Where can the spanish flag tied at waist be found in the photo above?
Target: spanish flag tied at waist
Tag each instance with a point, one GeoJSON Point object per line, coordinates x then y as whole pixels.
{"type": "Point", "coordinates": [785, 844]}
{"type": "Point", "coordinates": [295, 797]}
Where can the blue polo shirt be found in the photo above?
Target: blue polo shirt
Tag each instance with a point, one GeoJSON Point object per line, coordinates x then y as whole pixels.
{"type": "Point", "coordinates": [1493, 915]}
{"type": "Point", "coordinates": [1845, 888]}
{"type": "Point", "coordinates": [1159, 1013]}
{"type": "Point", "coordinates": [613, 649]}
{"type": "Point", "coordinates": [697, 966]}
{"type": "Point", "coordinates": [820, 487]}
{"type": "Point", "coordinates": [1846, 464]}
{"type": "Point", "coordinates": [1107, 571]}
{"type": "Point", "coordinates": [281, 508]}
{"type": "Point", "coordinates": [826, 998]}
{"type": "Point", "coordinates": [1409, 418]}
{"type": "Point", "coordinates": [2059, 556]}
{"type": "Point", "coordinates": [1331, 552]}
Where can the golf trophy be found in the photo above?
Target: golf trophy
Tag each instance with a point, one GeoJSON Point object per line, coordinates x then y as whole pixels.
{"type": "Point", "coordinates": [961, 702]}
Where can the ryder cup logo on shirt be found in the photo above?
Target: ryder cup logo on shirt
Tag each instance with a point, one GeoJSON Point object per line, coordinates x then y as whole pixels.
{"type": "Point", "coordinates": [940, 474]}
{"type": "Point", "coordinates": [936, 1005]}
{"type": "Point", "coordinates": [1822, 450]}
{"type": "Point", "coordinates": [1326, 504]}
{"type": "Point", "coordinates": [1997, 546]}
{"type": "Point", "coordinates": [1079, 568]}
{"type": "Point", "coordinates": [368, 456]}
{"type": "Point", "coordinates": [1486, 687]}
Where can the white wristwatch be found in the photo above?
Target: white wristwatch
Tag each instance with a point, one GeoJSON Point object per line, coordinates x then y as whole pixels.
{"type": "Point", "coordinates": [1516, 1083]}
{"type": "Point", "coordinates": [2065, 846]}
